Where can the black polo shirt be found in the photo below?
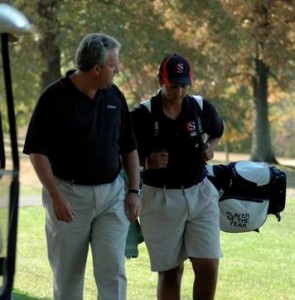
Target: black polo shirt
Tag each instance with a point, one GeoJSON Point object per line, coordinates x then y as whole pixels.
{"type": "Point", "coordinates": [185, 166]}
{"type": "Point", "coordinates": [83, 138]}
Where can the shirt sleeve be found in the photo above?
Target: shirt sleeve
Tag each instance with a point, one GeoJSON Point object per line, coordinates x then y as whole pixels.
{"type": "Point", "coordinates": [41, 125]}
{"type": "Point", "coordinates": [213, 123]}
{"type": "Point", "coordinates": [141, 121]}
{"type": "Point", "coordinates": [127, 138]}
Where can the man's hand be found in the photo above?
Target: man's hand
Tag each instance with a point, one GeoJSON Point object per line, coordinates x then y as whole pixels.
{"type": "Point", "coordinates": [62, 209]}
{"type": "Point", "coordinates": [158, 159]}
{"type": "Point", "coordinates": [133, 206]}
{"type": "Point", "coordinates": [207, 152]}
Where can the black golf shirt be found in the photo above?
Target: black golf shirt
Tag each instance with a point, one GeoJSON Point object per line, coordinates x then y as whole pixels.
{"type": "Point", "coordinates": [185, 166]}
{"type": "Point", "coordinates": [83, 138]}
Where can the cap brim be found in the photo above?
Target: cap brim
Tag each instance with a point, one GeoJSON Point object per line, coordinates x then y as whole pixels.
{"type": "Point", "coordinates": [180, 80]}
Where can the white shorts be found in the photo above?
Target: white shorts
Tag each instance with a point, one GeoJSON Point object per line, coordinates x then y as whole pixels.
{"type": "Point", "coordinates": [180, 223]}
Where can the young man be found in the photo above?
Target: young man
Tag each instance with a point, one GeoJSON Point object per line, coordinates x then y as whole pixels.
{"type": "Point", "coordinates": [78, 135]}
{"type": "Point", "coordinates": [180, 214]}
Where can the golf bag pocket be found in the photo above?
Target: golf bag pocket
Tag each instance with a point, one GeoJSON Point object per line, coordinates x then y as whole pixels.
{"type": "Point", "coordinates": [248, 192]}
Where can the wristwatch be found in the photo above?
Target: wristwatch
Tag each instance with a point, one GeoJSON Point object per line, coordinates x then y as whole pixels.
{"type": "Point", "coordinates": [134, 191]}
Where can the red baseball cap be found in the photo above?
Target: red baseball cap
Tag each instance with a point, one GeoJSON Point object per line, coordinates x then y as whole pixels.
{"type": "Point", "coordinates": [174, 70]}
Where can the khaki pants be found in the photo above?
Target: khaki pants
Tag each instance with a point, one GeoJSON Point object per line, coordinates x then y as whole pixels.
{"type": "Point", "coordinates": [100, 222]}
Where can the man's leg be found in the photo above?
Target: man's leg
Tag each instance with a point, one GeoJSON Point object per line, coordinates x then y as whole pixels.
{"type": "Point", "coordinates": [67, 243]}
{"type": "Point", "coordinates": [202, 238]}
{"type": "Point", "coordinates": [163, 220]}
{"type": "Point", "coordinates": [206, 273]}
{"type": "Point", "coordinates": [169, 284]}
{"type": "Point", "coordinates": [108, 239]}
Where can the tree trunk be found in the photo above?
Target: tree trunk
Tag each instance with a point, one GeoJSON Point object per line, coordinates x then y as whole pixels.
{"type": "Point", "coordinates": [50, 51]}
{"type": "Point", "coordinates": [261, 139]}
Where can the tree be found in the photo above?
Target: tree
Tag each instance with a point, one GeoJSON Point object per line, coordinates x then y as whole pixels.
{"type": "Point", "coordinates": [50, 49]}
{"type": "Point", "coordinates": [48, 29]}
{"type": "Point", "coordinates": [144, 40]}
{"type": "Point", "coordinates": [242, 53]}
{"type": "Point", "coordinates": [270, 25]}
{"type": "Point", "coordinates": [250, 43]}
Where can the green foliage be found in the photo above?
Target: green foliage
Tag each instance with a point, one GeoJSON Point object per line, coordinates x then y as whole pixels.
{"type": "Point", "coordinates": [220, 38]}
{"type": "Point", "coordinates": [283, 114]}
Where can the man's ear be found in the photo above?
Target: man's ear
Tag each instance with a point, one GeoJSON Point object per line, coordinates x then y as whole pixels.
{"type": "Point", "coordinates": [97, 68]}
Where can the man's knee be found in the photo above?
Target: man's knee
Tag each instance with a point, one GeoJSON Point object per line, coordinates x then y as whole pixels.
{"type": "Point", "coordinates": [205, 266]}
{"type": "Point", "coordinates": [171, 277]}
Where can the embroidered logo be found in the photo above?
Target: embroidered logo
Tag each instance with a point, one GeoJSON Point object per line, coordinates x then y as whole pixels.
{"type": "Point", "coordinates": [191, 128]}
{"type": "Point", "coordinates": [109, 106]}
{"type": "Point", "coordinates": [179, 68]}
{"type": "Point", "coordinates": [238, 220]}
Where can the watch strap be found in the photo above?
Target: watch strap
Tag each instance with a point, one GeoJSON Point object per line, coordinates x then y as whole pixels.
{"type": "Point", "coordinates": [135, 191]}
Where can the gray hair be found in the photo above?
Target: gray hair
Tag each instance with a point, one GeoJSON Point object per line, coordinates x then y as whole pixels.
{"type": "Point", "coordinates": [94, 49]}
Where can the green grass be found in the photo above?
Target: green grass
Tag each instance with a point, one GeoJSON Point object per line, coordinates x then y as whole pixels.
{"type": "Point", "coordinates": [255, 266]}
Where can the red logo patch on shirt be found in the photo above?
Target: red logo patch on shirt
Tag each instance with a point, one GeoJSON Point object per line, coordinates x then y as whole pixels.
{"type": "Point", "coordinates": [191, 128]}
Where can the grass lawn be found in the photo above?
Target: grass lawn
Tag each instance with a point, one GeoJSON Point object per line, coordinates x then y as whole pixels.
{"type": "Point", "coordinates": [255, 266]}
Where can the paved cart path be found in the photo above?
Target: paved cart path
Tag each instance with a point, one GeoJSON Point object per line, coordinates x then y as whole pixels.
{"type": "Point", "coordinates": [29, 180]}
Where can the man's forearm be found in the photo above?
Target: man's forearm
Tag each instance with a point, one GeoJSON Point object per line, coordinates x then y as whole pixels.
{"type": "Point", "coordinates": [44, 172]}
{"type": "Point", "coordinates": [213, 142]}
{"type": "Point", "coordinates": [131, 166]}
